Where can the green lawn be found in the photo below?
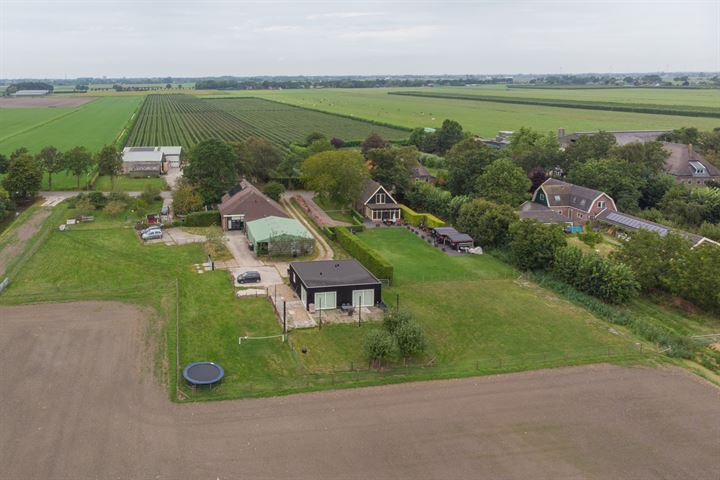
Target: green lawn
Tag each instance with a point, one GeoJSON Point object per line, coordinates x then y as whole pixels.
{"type": "Point", "coordinates": [484, 118]}
{"type": "Point", "coordinates": [123, 183]}
{"type": "Point", "coordinates": [472, 308]}
{"type": "Point", "coordinates": [341, 213]}
{"type": "Point", "coordinates": [92, 125]}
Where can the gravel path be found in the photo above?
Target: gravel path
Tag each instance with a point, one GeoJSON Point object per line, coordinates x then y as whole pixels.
{"type": "Point", "coordinates": [79, 401]}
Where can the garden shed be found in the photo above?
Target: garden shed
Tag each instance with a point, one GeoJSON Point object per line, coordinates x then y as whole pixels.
{"type": "Point", "coordinates": [279, 236]}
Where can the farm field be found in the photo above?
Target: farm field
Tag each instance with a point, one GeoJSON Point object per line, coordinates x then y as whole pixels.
{"type": "Point", "coordinates": [92, 125]}
{"type": "Point", "coordinates": [484, 118]}
{"type": "Point", "coordinates": [124, 183]}
{"type": "Point", "coordinates": [185, 120]}
{"type": "Point", "coordinates": [63, 181]}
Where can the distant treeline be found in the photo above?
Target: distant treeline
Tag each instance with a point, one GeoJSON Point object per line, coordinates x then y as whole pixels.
{"type": "Point", "coordinates": [267, 84]}
{"type": "Point", "coordinates": [683, 110]}
{"type": "Point", "coordinates": [649, 80]}
{"type": "Point", "coordinates": [28, 86]}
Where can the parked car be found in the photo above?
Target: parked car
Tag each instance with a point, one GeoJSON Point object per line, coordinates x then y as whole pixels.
{"type": "Point", "coordinates": [249, 277]}
{"type": "Point", "coordinates": [165, 210]}
{"type": "Point", "coordinates": [151, 228]}
{"type": "Point", "coordinates": [152, 234]}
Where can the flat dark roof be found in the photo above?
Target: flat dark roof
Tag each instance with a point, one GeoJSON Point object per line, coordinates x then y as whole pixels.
{"type": "Point", "coordinates": [329, 273]}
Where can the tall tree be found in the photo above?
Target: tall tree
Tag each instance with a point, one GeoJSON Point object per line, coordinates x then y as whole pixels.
{"type": "Point", "coordinates": [339, 175]}
{"type": "Point", "coordinates": [257, 158]}
{"type": "Point", "coordinates": [486, 222]}
{"type": "Point", "coordinates": [533, 244]}
{"type": "Point", "coordinates": [4, 163]}
{"type": "Point", "coordinates": [185, 199]}
{"type": "Point", "coordinates": [648, 155]}
{"type": "Point", "coordinates": [504, 182]}
{"type": "Point", "coordinates": [24, 178]}
{"type": "Point", "coordinates": [20, 151]}
{"type": "Point", "coordinates": [531, 149]}
{"type": "Point", "coordinates": [537, 176]}
{"type": "Point", "coordinates": [78, 161]}
{"type": "Point", "coordinates": [109, 163]}
{"type": "Point", "coordinates": [212, 169]}
{"type": "Point", "coordinates": [589, 147]}
{"type": "Point", "coordinates": [616, 177]}
{"type": "Point", "coordinates": [389, 170]}
{"type": "Point", "coordinates": [448, 135]}
{"type": "Point", "coordinates": [372, 141]}
{"type": "Point", "coordinates": [465, 162]}
{"type": "Point", "coordinates": [52, 161]}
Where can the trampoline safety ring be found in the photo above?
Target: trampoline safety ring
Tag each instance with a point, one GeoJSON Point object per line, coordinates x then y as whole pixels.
{"type": "Point", "coordinates": [203, 373]}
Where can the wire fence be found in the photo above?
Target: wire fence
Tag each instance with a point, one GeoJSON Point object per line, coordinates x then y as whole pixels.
{"type": "Point", "coordinates": [357, 374]}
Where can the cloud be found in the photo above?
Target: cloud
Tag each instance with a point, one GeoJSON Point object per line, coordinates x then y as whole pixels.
{"type": "Point", "coordinates": [317, 16]}
{"type": "Point", "coordinates": [392, 34]}
{"type": "Point", "coordinates": [279, 29]}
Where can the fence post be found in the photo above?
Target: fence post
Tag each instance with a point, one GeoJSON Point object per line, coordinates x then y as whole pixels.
{"type": "Point", "coordinates": [177, 338]}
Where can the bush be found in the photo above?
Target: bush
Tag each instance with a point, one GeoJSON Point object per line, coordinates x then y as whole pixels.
{"type": "Point", "coordinates": [119, 197]}
{"type": "Point", "coordinates": [394, 319]}
{"type": "Point", "coordinates": [590, 237]}
{"type": "Point", "coordinates": [84, 206]}
{"type": "Point", "coordinates": [97, 199]}
{"type": "Point", "coordinates": [274, 190]}
{"type": "Point", "coordinates": [379, 266]}
{"type": "Point", "coordinates": [420, 219]}
{"type": "Point", "coordinates": [115, 208]}
{"type": "Point", "coordinates": [410, 339]}
{"type": "Point", "coordinates": [533, 244]}
{"type": "Point", "coordinates": [379, 345]}
{"type": "Point", "coordinates": [202, 219]}
{"type": "Point", "coordinates": [150, 193]}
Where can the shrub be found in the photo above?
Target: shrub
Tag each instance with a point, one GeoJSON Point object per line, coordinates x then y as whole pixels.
{"type": "Point", "coordinates": [202, 219]}
{"type": "Point", "coordinates": [274, 190]}
{"type": "Point", "coordinates": [84, 206]}
{"type": "Point", "coordinates": [420, 219]}
{"type": "Point", "coordinates": [379, 266]}
{"type": "Point", "coordinates": [115, 208]}
{"type": "Point", "coordinates": [410, 339]}
{"type": "Point", "coordinates": [533, 244]}
{"type": "Point", "coordinates": [97, 199]}
{"type": "Point", "coordinates": [394, 319]}
{"type": "Point", "coordinates": [150, 193]}
{"type": "Point", "coordinates": [119, 197]}
{"type": "Point", "coordinates": [589, 236]}
{"type": "Point", "coordinates": [379, 345]}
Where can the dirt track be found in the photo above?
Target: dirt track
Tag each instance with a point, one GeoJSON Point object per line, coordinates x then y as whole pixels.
{"type": "Point", "coordinates": [17, 239]}
{"type": "Point", "coordinates": [78, 401]}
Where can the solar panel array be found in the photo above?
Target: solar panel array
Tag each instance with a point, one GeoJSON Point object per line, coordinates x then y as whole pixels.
{"type": "Point", "coordinates": [636, 223]}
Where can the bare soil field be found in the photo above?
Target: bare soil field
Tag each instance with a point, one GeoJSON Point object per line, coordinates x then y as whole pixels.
{"type": "Point", "coordinates": [16, 242]}
{"type": "Point", "coordinates": [79, 401]}
{"type": "Point", "coordinates": [44, 102]}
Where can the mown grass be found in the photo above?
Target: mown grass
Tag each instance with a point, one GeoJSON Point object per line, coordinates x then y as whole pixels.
{"type": "Point", "coordinates": [91, 125]}
{"type": "Point", "coordinates": [338, 212]}
{"type": "Point", "coordinates": [123, 183]}
{"type": "Point", "coordinates": [484, 118]}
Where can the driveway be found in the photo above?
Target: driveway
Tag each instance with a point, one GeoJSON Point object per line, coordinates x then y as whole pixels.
{"type": "Point", "coordinates": [172, 176]}
{"type": "Point", "coordinates": [238, 246]}
{"type": "Point", "coordinates": [269, 276]}
{"type": "Point", "coordinates": [315, 212]}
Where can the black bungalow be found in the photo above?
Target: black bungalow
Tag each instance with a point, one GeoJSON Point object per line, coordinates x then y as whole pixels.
{"type": "Point", "coordinates": [330, 284]}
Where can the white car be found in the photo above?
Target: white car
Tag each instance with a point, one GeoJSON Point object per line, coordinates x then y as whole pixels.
{"type": "Point", "coordinates": [152, 234]}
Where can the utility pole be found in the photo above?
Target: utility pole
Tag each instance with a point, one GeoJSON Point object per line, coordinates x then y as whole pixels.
{"type": "Point", "coordinates": [284, 316]}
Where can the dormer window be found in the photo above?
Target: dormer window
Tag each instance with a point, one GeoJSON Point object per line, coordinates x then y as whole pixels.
{"type": "Point", "coordinates": [380, 198]}
{"type": "Point", "coordinates": [601, 204]}
{"type": "Point", "coordinates": [697, 168]}
{"type": "Point", "coordinates": [557, 198]}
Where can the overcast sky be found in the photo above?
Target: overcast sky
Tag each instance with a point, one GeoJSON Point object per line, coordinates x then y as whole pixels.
{"type": "Point", "coordinates": [133, 38]}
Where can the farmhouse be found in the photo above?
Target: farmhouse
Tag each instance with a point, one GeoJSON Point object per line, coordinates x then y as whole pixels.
{"type": "Point", "coordinates": [574, 203]}
{"type": "Point", "coordinates": [541, 213]}
{"type": "Point", "coordinates": [330, 284]}
{"type": "Point", "coordinates": [421, 174]}
{"type": "Point", "coordinates": [376, 203]}
{"type": "Point", "coordinates": [279, 236]}
{"type": "Point", "coordinates": [143, 161]}
{"type": "Point", "coordinates": [245, 203]}
{"type": "Point", "coordinates": [688, 166]}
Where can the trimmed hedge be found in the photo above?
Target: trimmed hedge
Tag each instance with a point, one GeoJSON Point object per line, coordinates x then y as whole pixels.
{"type": "Point", "coordinates": [362, 252]}
{"type": "Point", "coordinates": [417, 219]}
{"type": "Point", "coordinates": [202, 219]}
{"type": "Point", "coordinates": [357, 217]}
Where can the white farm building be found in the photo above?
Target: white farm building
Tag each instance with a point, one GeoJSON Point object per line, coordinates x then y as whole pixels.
{"type": "Point", "coordinates": [149, 161]}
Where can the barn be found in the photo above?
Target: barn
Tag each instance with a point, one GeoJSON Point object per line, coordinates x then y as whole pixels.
{"type": "Point", "coordinates": [143, 161]}
{"type": "Point", "coordinates": [172, 155]}
{"type": "Point", "coordinates": [330, 284]}
{"type": "Point", "coordinates": [279, 236]}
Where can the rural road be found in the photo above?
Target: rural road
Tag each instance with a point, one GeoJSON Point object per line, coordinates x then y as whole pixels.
{"type": "Point", "coordinates": [79, 401]}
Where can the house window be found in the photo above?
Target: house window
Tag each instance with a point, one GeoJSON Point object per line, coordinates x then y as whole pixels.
{"type": "Point", "coordinates": [293, 277]}
{"type": "Point", "coordinates": [601, 204]}
{"type": "Point", "coordinates": [689, 182]}
{"type": "Point", "coordinates": [541, 196]}
{"type": "Point", "coordinates": [580, 215]}
{"type": "Point", "coordinates": [380, 198]}
{"type": "Point", "coordinates": [557, 198]}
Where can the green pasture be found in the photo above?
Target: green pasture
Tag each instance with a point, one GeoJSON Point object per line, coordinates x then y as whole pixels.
{"type": "Point", "coordinates": [123, 183]}
{"type": "Point", "coordinates": [484, 118]}
{"type": "Point", "coordinates": [92, 125]}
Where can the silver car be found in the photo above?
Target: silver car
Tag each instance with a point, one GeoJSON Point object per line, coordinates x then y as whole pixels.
{"type": "Point", "coordinates": [152, 234]}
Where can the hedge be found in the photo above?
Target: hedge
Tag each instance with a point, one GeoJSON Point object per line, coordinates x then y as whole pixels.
{"type": "Point", "coordinates": [362, 252]}
{"type": "Point", "coordinates": [417, 219]}
{"type": "Point", "coordinates": [357, 217]}
{"type": "Point", "coordinates": [202, 219]}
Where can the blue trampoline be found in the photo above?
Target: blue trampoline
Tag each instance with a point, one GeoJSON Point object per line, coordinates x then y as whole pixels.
{"type": "Point", "coordinates": [203, 373]}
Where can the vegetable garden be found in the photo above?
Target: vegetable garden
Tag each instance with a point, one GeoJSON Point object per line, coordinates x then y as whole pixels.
{"type": "Point", "coordinates": [186, 120]}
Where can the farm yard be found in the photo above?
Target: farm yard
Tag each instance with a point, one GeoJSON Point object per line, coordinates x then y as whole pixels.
{"type": "Point", "coordinates": [185, 120]}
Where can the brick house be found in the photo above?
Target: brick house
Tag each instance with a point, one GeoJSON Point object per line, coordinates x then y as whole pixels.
{"type": "Point", "coordinates": [574, 203]}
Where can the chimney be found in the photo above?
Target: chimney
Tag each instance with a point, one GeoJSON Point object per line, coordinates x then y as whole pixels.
{"type": "Point", "coordinates": [561, 132]}
{"type": "Point", "coordinates": [690, 149]}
